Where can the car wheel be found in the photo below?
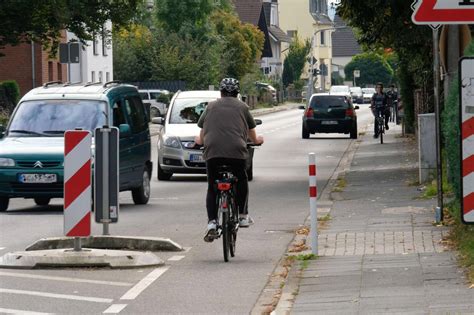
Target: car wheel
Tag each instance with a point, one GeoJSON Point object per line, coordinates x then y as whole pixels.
{"type": "Point", "coordinates": [4, 201]}
{"type": "Point", "coordinates": [250, 173]}
{"type": "Point", "coordinates": [42, 201]}
{"type": "Point", "coordinates": [141, 195]}
{"type": "Point", "coordinates": [162, 175]}
{"type": "Point", "coordinates": [354, 133]}
{"type": "Point", "coordinates": [305, 133]}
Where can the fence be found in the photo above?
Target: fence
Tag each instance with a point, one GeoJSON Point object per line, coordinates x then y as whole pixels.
{"type": "Point", "coordinates": [172, 86]}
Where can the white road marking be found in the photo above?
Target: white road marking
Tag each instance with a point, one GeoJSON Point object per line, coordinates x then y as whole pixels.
{"type": "Point", "coordinates": [143, 284]}
{"type": "Point", "coordinates": [31, 276]}
{"type": "Point", "coordinates": [2, 248]}
{"type": "Point", "coordinates": [186, 249]}
{"type": "Point", "coordinates": [57, 296]}
{"type": "Point", "coordinates": [115, 309]}
{"type": "Point", "coordinates": [176, 258]}
{"type": "Point", "coordinates": [10, 311]}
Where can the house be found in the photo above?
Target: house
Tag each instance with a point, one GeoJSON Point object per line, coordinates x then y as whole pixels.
{"type": "Point", "coordinates": [273, 66]}
{"type": "Point", "coordinates": [251, 11]}
{"type": "Point", "coordinates": [309, 20]}
{"type": "Point", "coordinates": [30, 66]}
{"type": "Point", "coordinates": [95, 59]}
{"type": "Point", "coordinates": [344, 46]}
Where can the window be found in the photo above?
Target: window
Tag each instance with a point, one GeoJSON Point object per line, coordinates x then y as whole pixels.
{"type": "Point", "coordinates": [60, 71]}
{"type": "Point", "coordinates": [292, 33]}
{"type": "Point", "coordinates": [118, 116]}
{"type": "Point", "coordinates": [136, 113]}
{"type": "Point", "coordinates": [100, 76]}
{"type": "Point", "coordinates": [93, 76]}
{"type": "Point", "coordinates": [104, 43]}
{"type": "Point", "coordinates": [323, 39]}
{"type": "Point", "coordinates": [95, 44]}
{"type": "Point", "coordinates": [50, 71]}
{"type": "Point", "coordinates": [107, 76]}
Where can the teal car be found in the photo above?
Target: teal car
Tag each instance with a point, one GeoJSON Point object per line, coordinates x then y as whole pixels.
{"type": "Point", "coordinates": [32, 144]}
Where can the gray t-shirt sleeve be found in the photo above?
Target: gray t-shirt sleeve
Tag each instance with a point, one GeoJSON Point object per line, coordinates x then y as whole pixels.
{"type": "Point", "coordinates": [250, 121]}
{"type": "Point", "coordinates": [202, 118]}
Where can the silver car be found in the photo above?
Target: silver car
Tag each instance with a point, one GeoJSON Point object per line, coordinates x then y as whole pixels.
{"type": "Point", "coordinates": [176, 148]}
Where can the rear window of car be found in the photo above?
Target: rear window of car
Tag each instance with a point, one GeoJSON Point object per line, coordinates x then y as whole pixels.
{"type": "Point", "coordinates": [339, 89]}
{"type": "Point", "coordinates": [188, 110]}
{"type": "Point", "coordinates": [329, 102]}
{"type": "Point", "coordinates": [144, 95]}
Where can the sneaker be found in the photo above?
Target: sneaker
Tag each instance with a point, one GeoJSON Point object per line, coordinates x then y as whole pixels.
{"type": "Point", "coordinates": [211, 231]}
{"type": "Point", "coordinates": [245, 221]}
{"type": "Point", "coordinates": [387, 127]}
{"type": "Point", "coordinates": [376, 136]}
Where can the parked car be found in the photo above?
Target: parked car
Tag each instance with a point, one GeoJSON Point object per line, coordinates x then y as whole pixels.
{"type": "Point", "coordinates": [32, 145]}
{"type": "Point", "coordinates": [357, 95]}
{"type": "Point", "coordinates": [154, 101]}
{"type": "Point", "coordinates": [367, 94]}
{"type": "Point", "coordinates": [329, 114]}
{"type": "Point", "coordinates": [177, 153]}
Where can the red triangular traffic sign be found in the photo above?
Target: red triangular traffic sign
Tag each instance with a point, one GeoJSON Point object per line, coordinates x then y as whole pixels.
{"type": "Point", "coordinates": [435, 12]}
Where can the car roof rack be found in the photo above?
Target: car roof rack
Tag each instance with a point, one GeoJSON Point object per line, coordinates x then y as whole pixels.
{"type": "Point", "coordinates": [72, 83]}
{"type": "Point", "coordinates": [47, 84]}
{"type": "Point", "coordinates": [111, 82]}
{"type": "Point", "coordinates": [92, 83]}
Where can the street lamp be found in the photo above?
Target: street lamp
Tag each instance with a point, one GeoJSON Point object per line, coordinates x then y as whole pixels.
{"type": "Point", "coordinates": [311, 82]}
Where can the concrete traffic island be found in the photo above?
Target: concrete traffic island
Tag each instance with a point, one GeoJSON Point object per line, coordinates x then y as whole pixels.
{"type": "Point", "coordinates": [132, 243]}
{"type": "Point", "coordinates": [86, 258]}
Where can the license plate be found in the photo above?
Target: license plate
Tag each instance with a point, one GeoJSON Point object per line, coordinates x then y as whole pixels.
{"type": "Point", "coordinates": [37, 178]}
{"type": "Point", "coordinates": [196, 158]}
{"type": "Point", "coordinates": [329, 122]}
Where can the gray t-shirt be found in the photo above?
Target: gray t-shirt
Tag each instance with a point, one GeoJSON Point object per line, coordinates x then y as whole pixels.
{"type": "Point", "coordinates": [226, 123]}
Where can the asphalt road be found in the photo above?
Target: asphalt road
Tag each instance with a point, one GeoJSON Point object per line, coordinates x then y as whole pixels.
{"type": "Point", "coordinates": [195, 281]}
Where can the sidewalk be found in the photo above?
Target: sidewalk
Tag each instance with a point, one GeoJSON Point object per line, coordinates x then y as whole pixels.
{"type": "Point", "coordinates": [380, 252]}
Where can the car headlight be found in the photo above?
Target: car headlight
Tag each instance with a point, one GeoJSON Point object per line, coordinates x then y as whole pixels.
{"type": "Point", "coordinates": [171, 142]}
{"type": "Point", "coordinates": [4, 162]}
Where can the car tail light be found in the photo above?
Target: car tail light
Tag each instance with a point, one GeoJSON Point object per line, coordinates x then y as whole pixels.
{"type": "Point", "coordinates": [309, 113]}
{"type": "Point", "coordinates": [349, 112]}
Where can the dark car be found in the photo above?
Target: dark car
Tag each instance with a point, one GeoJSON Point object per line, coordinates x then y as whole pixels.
{"type": "Point", "coordinates": [329, 114]}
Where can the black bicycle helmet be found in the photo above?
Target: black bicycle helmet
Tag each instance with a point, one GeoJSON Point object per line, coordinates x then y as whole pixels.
{"type": "Point", "coordinates": [229, 85]}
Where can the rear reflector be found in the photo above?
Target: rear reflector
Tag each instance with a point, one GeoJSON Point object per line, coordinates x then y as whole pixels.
{"type": "Point", "coordinates": [224, 186]}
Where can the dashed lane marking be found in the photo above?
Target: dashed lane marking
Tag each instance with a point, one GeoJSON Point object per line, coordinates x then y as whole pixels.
{"type": "Point", "coordinates": [2, 248]}
{"type": "Point", "coordinates": [57, 296]}
{"type": "Point", "coordinates": [32, 276]}
{"type": "Point", "coordinates": [176, 258]}
{"type": "Point", "coordinates": [143, 284]}
{"type": "Point", "coordinates": [11, 311]}
{"type": "Point", "coordinates": [115, 309]}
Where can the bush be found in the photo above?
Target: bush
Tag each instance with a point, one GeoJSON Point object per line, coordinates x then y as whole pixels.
{"type": "Point", "coordinates": [9, 97]}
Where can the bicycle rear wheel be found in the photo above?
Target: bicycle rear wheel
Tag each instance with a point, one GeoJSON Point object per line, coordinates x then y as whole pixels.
{"type": "Point", "coordinates": [226, 235]}
{"type": "Point", "coordinates": [381, 129]}
{"type": "Point", "coordinates": [233, 231]}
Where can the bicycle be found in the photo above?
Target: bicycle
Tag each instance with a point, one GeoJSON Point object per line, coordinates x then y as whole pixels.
{"type": "Point", "coordinates": [381, 124]}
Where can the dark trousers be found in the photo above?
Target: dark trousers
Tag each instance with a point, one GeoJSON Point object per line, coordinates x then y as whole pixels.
{"type": "Point", "coordinates": [377, 112]}
{"type": "Point", "coordinates": [238, 167]}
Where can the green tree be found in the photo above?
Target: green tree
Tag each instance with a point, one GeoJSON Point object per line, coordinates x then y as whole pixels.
{"type": "Point", "coordinates": [242, 43]}
{"type": "Point", "coordinates": [42, 21]}
{"type": "Point", "coordinates": [373, 68]}
{"type": "Point", "coordinates": [294, 63]}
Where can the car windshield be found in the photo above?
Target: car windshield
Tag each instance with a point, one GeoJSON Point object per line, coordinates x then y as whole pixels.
{"type": "Point", "coordinates": [328, 102]}
{"type": "Point", "coordinates": [188, 110]}
{"type": "Point", "coordinates": [339, 89]}
{"type": "Point", "coordinates": [356, 90]}
{"type": "Point", "coordinates": [54, 117]}
{"type": "Point", "coordinates": [368, 91]}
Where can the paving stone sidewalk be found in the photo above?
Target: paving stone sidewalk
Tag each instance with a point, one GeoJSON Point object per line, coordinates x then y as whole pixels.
{"type": "Point", "coordinates": [381, 253]}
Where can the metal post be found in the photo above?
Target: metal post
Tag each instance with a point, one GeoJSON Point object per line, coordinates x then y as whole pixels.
{"type": "Point", "coordinates": [436, 75]}
{"type": "Point", "coordinates": [69, 62]}
{"type": "Point", "coordinates": [77, 244]}
{"type": "Point", "coordinates": [33, 65]}
{"type": "Point", "coordinates": [105, 182]}
{"type": "Point", "coordinates": [311, 82]}
{"type": "Point", "coordinates": [313, 193]}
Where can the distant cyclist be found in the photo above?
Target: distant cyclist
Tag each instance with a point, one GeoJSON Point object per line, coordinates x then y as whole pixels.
{"type": "Point", "coordinates": [379, 107]}
{"type": "Point", "coordinates": [226, 127]}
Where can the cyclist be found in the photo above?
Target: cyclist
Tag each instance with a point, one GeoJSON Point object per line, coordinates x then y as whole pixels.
{"type": "Point", "coordinates": [379, 107]}
{"type": "Point", "coordinates": [226, 125]}
{"type": "Point", "coordinates": [392, 99]}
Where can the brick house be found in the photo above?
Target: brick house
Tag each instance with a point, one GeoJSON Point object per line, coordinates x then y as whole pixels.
{"type": "Point", "coordinates": [30, 66]}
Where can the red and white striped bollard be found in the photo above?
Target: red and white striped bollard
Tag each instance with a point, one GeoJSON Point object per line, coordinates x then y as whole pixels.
{"type": "Point", "coordinates": [313, 194]}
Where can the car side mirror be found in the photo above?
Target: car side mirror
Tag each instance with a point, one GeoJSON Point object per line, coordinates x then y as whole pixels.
{"type": "Point", "coordinates": [356, 107]}
{"type": "Point", "coordinates": [258, 122]}
{"type": "Point", "coordinates": [2, 131]}
{"type": "Point", "coordinates": [158, 120]}
{"type": "Point", "coordinates": [125, 130]}
{"type": "Point", "coordinates": [302, 107]}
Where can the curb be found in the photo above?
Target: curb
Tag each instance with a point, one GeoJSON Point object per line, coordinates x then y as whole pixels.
{"type": "Point", "coordinates": [291, 283]}
{"type": "Point", "coordinates": [132, 243]}
{"type": "Point", "coordinates": [87, 258]}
